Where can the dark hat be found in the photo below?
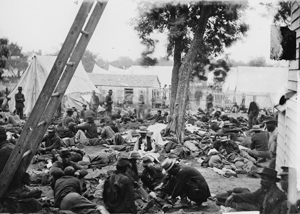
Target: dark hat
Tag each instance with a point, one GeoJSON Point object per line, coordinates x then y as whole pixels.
{"type": "Point", "coordinates": [134, 155]}
{"type": "Point", "coordinates": [143, 129]}
{"type": "Point", "coordinates": [286, 170]}
{"type": "Point", "coordinates": [65, 152]}
{"type": "Point", "coordinates": [51, 128]}
{"type": "Point", "coordinates": [110, 90]}
{"type": "Point", "coordinates": [123, 162]}
{"type": "Point", "coordinates": [269, 119]}
{"type": "Point", "coordinates": [168, 163]}
{"type": "Point", "coordinates": [20, 88]}
{"type": "Point", "coordinates": [269, 172]}
{"type": "Point", "coordinates": [84, 105]}
{"type": "Point", "coordinates": [2, 131]}
{"type": "Point", "coordinates": [70, 110]}
{"type": "Point", "coordinates": [146, 160]}
{"type": "Point", "coordinates": [256, 128]}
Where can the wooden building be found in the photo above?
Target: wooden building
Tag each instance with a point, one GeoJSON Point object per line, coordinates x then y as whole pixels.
{"type": "Point", "coordinates": [288, 144]}
{"type": "Point", "coordinates": [126, 87]}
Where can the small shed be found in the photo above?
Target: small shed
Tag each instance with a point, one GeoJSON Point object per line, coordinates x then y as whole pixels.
{"type": "Point", "coordinates": [126, 87]}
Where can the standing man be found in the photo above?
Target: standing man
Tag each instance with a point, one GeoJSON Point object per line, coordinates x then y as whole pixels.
{"type": "Point", "coordinates": [209, 101]}
{"type": "Point", "coordinates": [20, 99]}
{"type": "Point", "coordinates": [252, 113]}
{"type": "Point", "coordinates": [94, 102]}
{"type": "Point", "coordinates": [198, 96]}
{"type": "Point", "coordinates": [108, 103]}
{"type": "Point", "coordinates": [82, 112]}
{"type": "Point", "coordinates": [141, 103]}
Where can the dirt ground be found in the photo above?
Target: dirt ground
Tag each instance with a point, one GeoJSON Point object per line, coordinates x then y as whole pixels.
{"type": "Point", "coordinates": [217, 183]}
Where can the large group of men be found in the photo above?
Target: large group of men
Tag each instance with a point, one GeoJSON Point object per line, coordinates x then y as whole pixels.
{"type": "Point", "coordinates": [140, 180]}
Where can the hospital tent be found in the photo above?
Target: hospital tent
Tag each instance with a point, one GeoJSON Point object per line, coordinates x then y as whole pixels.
{"type": "Point", "coordinates": [32, 81]}
{"type": "Point", "coordinates": [256, 80]}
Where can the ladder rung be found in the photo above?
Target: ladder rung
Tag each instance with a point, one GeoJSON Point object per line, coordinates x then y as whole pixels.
{"type": "Point", "coordinates": [85, 33]}
{"type": "Point", "coordinates": [41, 123]}
{"type": "Point", "coordinates": [56, 94]}
{"type": "Point", "coordinates": [70, 63]}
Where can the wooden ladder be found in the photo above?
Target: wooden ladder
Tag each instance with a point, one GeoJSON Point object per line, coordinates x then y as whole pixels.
{"type": "Point", "coordinates": [53, 91]}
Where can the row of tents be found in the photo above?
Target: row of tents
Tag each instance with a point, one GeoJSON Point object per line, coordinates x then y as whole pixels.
{"type": "Point", "coordinates": [241, 79]}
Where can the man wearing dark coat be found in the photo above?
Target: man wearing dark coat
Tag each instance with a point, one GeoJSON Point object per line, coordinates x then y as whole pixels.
{"type": "Point", "coordinates": [118, 192]}
{"type": "Point", "coordinates": [187, 182]}
{"type": "Point", "coordinates": [267, 199]}
{"type": "Point", "coordinates": [20, 99]}
{"type": "Point", "coordinates": [252, 113]}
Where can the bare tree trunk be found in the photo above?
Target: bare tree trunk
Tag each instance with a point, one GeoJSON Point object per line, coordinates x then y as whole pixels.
{"type": "Point", "coordinates": [175, 72]}
{"type": "Point", "coordinates": [185, 72]}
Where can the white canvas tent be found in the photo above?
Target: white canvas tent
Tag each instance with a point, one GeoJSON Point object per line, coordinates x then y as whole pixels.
{"type": "Point", "coordinates": [34, 78]}
{"type": "Point", "coordinates": [244, 79]}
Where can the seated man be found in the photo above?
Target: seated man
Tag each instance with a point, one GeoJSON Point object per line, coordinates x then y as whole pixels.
{"type": "Point", "coordinates": [17, 189]}
{"type": "Point", "coordinates": [145, 142]}
{"type": "Point", "coordinates": [51, 141]}
{"type": "Point", "coordinates": [65, 162]}
{"type": "Point", "coordinates": [267, 199]}
{"type": "Point", "coordinates": [68, 118]}
{"type": "Point", "coordinates": [259, 143]}
{"type": "Point", "coordinates": [118, 192]}
{"type": "Point", "coordinates": [82, 112]}
{"type": "Point", "coordinates": [86, 130]}
{"type": "Point", "coordinates": [152, 174]}
{"type": "Point", "coordinates": [157, 118]}
{"type": "Point", "coordinates": [67, 194]}
{"type": "Point", "coordinates": [186, 182]}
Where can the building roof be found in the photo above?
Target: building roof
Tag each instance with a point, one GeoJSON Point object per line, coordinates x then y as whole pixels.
{"type": "Point", "coordinates": [124, 80]}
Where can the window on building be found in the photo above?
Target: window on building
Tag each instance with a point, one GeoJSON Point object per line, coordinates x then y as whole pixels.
{"type": "Point", "coordinates": [128, 95]}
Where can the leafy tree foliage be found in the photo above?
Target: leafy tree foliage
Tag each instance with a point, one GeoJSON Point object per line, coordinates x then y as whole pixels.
{"type": "Point", "coordinates": [4, 54]}
{"type": "Point", "coordinates": [123, 62]}
{"type": "Point", "coordinates": [179, 22]}
{"type": "Point", "coordinates": [17, 59]}
{"type": "Point", "coordinates": [196, 31]}
{"type": "Point", "coordinates": [88, 60]}
{"type": "Point", "coordinates": [283, 14]}
{"type": "Point", "coordinates": [258, 62]}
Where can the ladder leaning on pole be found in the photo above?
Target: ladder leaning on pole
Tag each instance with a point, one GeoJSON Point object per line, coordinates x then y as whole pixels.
{"type": "Point", "coordinates": [53, 90]}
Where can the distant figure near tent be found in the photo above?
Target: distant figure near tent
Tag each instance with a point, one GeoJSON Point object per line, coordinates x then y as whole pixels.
{"type": "Point", "coordinates": [141, 104]}
{"type": "Point", "coordinates": [94, 102]}
{"type": "Point", "coordinates": [209, 101]}
{"type": "Point", "coordinates": [242, 106]}
{"type": "Point", "coordinates": [198, 96]}
{"type": "Point", "coordinates": [253, 113]}
{"type": "Point", "coordinates": [108, 103]}
{"type": "Point", "coordinates": [20, 99]}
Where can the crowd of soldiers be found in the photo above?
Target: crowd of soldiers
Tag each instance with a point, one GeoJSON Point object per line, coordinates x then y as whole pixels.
{"type": "Point", "coordinates": [142, 178]}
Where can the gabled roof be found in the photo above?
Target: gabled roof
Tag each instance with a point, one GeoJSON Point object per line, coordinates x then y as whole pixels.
{"type": "Point", "coordinates": [124, 80]}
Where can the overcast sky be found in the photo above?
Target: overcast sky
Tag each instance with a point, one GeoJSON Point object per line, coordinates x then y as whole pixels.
{"type": "Point", "coordinates": [44, 24]}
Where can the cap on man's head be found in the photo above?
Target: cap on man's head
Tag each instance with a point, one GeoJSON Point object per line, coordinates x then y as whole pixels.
{"type": "Point", "coordinates": [134, 155]}
{"type": "Point", "coordinates": [20, 88]}
{"type": "Point", "coordinates": [2, 131]}
{"type": "Point", "coordinates": [168, 163]}
{"type": "Point", "coordinates": [123, 162]}
{"type": "Point", "coordinates": [70, 110]}
{"type": "Point", "coordinates": [270, 119]}
{"type": "Point", "coordinates": [147, 160]}
{"type": "Point", "coordinates": [51, 128]}
{"type": "Point", "coordinates": [110, 91]}
{"type": "Point", "coordinates": [65, 152]}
